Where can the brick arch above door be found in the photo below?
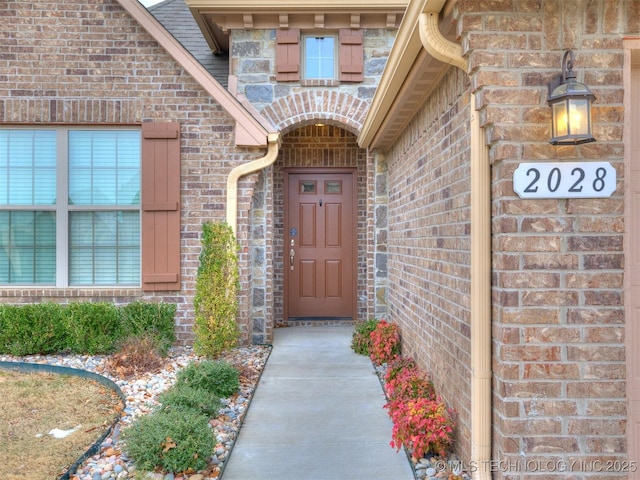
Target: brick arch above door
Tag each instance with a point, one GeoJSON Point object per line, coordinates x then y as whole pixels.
{"type": "Point", "coordinates": [311, 106]}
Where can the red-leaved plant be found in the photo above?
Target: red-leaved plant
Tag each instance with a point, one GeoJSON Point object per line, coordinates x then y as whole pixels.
{"type": "Point", "coordinates": [397, 365]}
{"type": "Point", "coordinates": [407, 384]}
{"type": "Point", "coordinates": [385, 342]}
{"type": "Point", "coordinates": [422, 426]}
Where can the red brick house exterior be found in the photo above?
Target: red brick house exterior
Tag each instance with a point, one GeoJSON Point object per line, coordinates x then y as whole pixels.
{"type": "Point", "coordinates": [522, 310]}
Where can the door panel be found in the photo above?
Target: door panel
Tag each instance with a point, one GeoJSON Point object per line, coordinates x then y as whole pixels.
{"type": "Point", "coordinates": [320, 239]}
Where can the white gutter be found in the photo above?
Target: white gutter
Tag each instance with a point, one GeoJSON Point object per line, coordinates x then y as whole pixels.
{"type": "Point", "coordinates": [273, 148]}
{"type": "Point", "coordinates": [449, 52]}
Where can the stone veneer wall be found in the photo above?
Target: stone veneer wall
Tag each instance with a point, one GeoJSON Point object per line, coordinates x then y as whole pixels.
{"type": "Point", "coordinates": [89, 63]}
{"type": "Point", "coordinates": [252, 59]}
{"type": "Point", "coordinates": [293, 108]}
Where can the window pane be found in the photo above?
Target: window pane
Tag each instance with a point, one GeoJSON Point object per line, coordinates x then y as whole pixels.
{"type": "Point", "coordinates": [27, 167]}
{"type": "Point", "coordinates": [319, 57]}
{"type": "Point", "coordinates": [333, 186]}
{"type": "Point", "coordinates": [27, 247]}
{"type": "Point", "coordinates": [104, 248]}
{"type": "Point", "coordinates": [307, 186]}
{"type": "Point", "coordinates": [104, 167]}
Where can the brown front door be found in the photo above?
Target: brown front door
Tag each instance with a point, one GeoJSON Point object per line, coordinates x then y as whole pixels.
{"type": "Point", "coordinates": [319, 242]}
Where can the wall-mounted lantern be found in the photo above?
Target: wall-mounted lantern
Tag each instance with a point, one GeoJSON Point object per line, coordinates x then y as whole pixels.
{"type": "Point", "coordinates": [570, 103]}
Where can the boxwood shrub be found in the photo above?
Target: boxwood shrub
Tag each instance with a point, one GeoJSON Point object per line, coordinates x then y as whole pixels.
{"type": "Point", "coordinates": [82, 327]}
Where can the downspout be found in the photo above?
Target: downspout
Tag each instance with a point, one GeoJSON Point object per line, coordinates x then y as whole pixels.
{"type": "Point", "coordinates": [273, 148]}
{"type": "Point", "coordinates": [449, 52]}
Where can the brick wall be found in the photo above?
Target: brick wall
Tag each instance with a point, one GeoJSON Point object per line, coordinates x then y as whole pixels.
{"type": "Point", "coordinates": [557, 265]}
{"type": "Point", "coordinates": [89, 63]}
{"type": "Point", "coordinates": [559, 371]}
{"type": "Point", "coordinates": [428, 243]}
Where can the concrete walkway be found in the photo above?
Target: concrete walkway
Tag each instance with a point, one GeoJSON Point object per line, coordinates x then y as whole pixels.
{"type": "Point", "coordinates": [317, 414]}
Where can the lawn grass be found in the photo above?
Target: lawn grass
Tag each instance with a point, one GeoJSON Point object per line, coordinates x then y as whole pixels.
{"type": "Point", "coordinates": [33, 404]}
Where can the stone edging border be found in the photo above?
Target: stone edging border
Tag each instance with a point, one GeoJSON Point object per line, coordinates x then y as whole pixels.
{"type": "Point", "coordinates": [37, 368]}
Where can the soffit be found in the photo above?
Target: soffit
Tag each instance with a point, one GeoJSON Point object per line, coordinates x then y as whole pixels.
{"type": "Point", "coordinates": [217, 18]}
{"type": "Point", "coordinates": [408, 80]}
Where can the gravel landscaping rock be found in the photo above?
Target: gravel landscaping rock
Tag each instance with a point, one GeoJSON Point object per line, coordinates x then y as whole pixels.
{"type": "Point", "coordinates": [141, 394]}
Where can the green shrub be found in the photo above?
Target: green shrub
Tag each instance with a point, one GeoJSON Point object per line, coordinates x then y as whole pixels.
{"type": "Point", "coordinates": [183, 396]}
{"type": "Point", "coordinates": [361, 340]}
{"type": "Point", "coordinates": [30, 329]}
{"type": "Point", "coordinates": [83, 327]}
{"type": "Point", "coordinates": [173, 440]}
{"type": "Point", "coordinates": [214, 376]}
{"type": "Point", "coordinates": [94, 328]}
{"type": "Point", "coordinates": [217, 285]}
{"type": "Point", "coordinates": [155, 320]}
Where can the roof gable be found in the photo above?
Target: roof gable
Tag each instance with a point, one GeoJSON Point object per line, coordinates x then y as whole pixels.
{"type": "Point", "coordinates": [250, 131]}
{"type": "Point", "coordinates": [175, 16]}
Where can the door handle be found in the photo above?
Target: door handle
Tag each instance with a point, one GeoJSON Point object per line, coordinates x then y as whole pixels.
{"type": "Point", "coordinates": [292, 253]}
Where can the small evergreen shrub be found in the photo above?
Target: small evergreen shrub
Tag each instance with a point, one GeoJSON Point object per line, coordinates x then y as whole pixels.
{"type": "Point", "coordinates": [32, 328]}
{"type": "Point", "coordinates": [94, 328]}
{"type": "Point", "coordinates": [214, 376]}
{"type": "Point", "coordinates": [174, 440]}
{"type": "Point", "coordinates": [155, 320]}
{"type": "Point", "coordinates": [183, 396]}
{"type": "Point", "coordinates": [361, 339]}
{"type": "Point", "coordinates": [217, 285]}
{"type": "Point", "coordinates": [83, 327]}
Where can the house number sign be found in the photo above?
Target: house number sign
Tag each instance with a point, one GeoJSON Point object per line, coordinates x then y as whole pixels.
{"type": "Point", "coordinates": [564, 180]}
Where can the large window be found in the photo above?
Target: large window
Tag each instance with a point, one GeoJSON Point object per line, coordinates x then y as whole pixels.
{"type": "Point", "coordinates": [70, 207]}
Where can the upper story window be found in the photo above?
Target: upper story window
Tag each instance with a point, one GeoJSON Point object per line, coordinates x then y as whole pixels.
{"type": "Point", "coordinates": [319, 56]}
{"type": "Point", "coordinates": [325, 56]}
{"type": "Point", "coordinates": [70, 207]}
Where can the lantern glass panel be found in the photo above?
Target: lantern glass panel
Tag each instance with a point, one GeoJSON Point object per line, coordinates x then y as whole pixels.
{"type": "Point", "coordinates": [578, 116]}
{"type": "Point", "coordinates": [560, 127]}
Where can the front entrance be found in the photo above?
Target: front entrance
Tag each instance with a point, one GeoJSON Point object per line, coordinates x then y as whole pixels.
{"type": "Point", "coordinates": [319, 238]}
